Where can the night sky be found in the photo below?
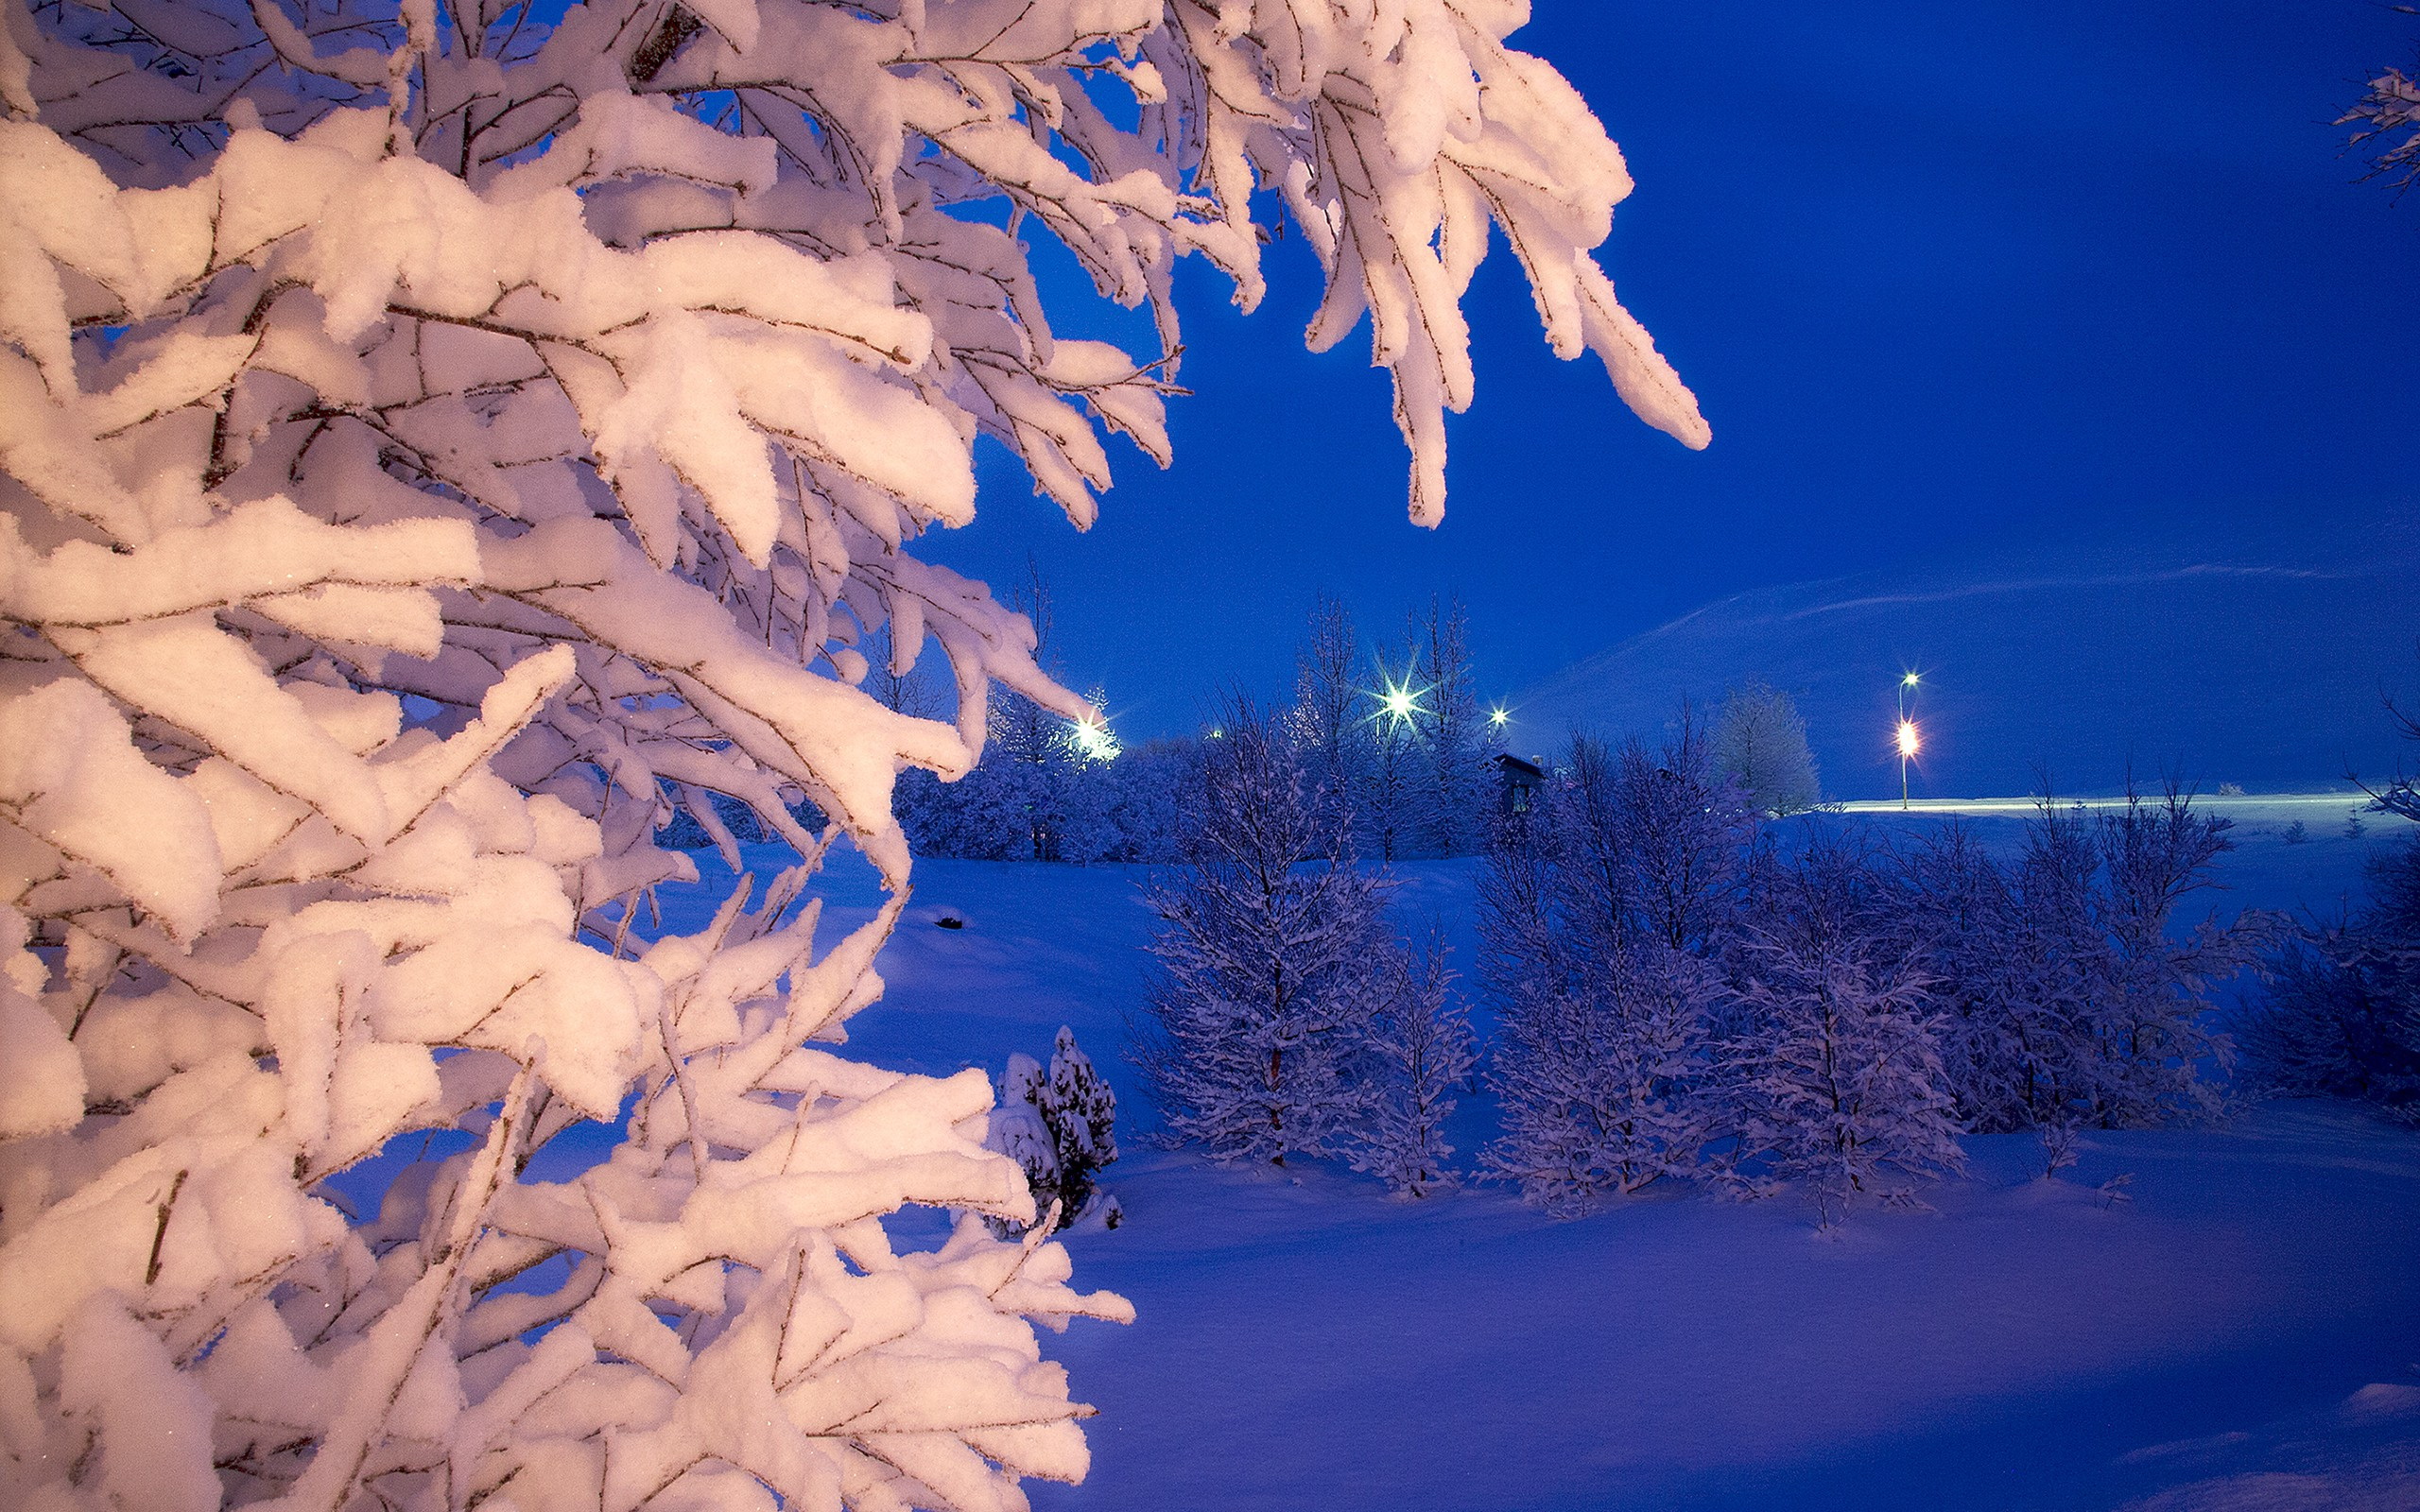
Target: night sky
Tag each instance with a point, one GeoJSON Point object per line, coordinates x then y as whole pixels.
{"type": "Point", "coordinates": [1952, 283]}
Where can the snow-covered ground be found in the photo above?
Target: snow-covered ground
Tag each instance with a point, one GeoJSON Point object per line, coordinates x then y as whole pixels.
{"type": "Point", "coordinates": [2243, 1331]}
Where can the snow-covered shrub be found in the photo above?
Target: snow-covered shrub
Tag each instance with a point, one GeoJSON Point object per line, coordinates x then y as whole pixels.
{"type": "Point", "coordinates": [433, 435]}
{"type": "Point", "coordinates": [2339, 1014]}
{"type": "Point", "coordinates": [1059, 1125]}
{"type": "Point", "coordinates": [1420, 1053]}
{"type": "Point", "coordinates": [2003, 963]}
{"type": "Point", "coordinates": [2149, 1027]}
{"type": "Point", "coordinates": [1271, 960]}
{"type": "Point", "coordinates": [1017, 1130]}
{"type": "Point", "coordinates": [1605, 1077]}
{"type": "Point", "coordinates": [1082, 1113]}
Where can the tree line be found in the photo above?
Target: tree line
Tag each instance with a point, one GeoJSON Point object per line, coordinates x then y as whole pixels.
{"type": "Point", "coordinates": [1685, 990]}
{"type": "Point", "coordinates": [1391, 736]}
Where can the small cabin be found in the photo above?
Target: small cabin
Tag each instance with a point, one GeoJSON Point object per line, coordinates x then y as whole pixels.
{"type": "Point", "coordinates": [1518, 783]}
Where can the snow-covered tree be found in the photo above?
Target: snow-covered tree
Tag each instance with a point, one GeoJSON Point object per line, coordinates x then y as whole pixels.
{"type": "Point", "coordinates": [2148, 1025]}
{"type": "Point", "coordinates": [1018, 1131]}
{"type": "Point", "coordinates": [1421, 1051]}
{"type": "Point", "coordinates": [1605, 1073]}
{"type": "Point", "coordinates": [1834, 1073]}
{"type": "Point", "coordinates": [2339, 1014]}
{"type": "Point", "coordinates": [1271, 960]}
{"type": "Point", "coordinates": [1327, 722]}
{"type": "Point", "coordinates": [1602, 915]}
{"type": "Point", "coordinates": [2000, 954]}
{"type": "Point", "coordinates": [1451, 791]}
{"type": "Point", "coordinates": [432, 435]}
{"type": "Point", "coordinates": [1387, 801]}
{"type": "Point", "coordinates": [1760, 744]}
{"type": "Point", "coordinates": [2386, 127]}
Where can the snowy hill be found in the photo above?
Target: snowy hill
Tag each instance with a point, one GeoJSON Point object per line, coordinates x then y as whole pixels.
{"type": "Point", "coordinates": [2264, 669]}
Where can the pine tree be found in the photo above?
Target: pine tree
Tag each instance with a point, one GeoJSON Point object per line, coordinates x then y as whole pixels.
{"type": "Point", "coordinates": [1059, 1126]}
{"type": "Point", "coordinates": [1267, 960]}
{"type": "Point", "coordinates": [1019, 1130]}
{"type": "Point", "coordinates": [1081, 1114]}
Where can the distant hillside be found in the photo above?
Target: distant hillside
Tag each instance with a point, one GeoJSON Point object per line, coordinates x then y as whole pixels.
{"type": "Point", "coordinates": [2263, 675]}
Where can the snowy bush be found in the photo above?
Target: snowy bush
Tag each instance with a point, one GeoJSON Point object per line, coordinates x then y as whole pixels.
{"type": "Point", "coordinates": [2340, 1013]}
{"type": "Point", "coordinates": [2147, 1037]}
{"type": "Point", "coordinates": [1059, 1125]}
{"type": "Point", "coordinates": [2067, 990]}
{"type": "Point", "coordinates": [2007, 973]}
{"type": "Point", "coordinates": [433, 436]}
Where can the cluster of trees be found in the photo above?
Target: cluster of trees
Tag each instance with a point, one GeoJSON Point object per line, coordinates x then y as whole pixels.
{"type": "Point", "coordinates": [1393, 740]}
{"type": "Point", "coordinates": [1285, 1016]}
{"type": "Point", "coordinates": [438, 441]}
{"type": "Point", "coordinates": [1685, 994]}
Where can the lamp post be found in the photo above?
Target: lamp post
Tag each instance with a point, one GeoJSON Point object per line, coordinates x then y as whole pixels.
{"type": "Point", "coordinates": [1908, 740]}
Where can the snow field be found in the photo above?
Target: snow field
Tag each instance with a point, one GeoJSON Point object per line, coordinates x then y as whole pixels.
{"type": "Point", "coordinates": [2243, 1325]}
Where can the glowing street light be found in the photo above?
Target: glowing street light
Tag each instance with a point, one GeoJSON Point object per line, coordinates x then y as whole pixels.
{"type": "Point", "coordinates": [1094, 741]}
{"type": "Point", "coordinates": [1909, 742]}
{"type": "Point", "coordinates": [1499, 717]}
{"type": "Point", "coordinates": [1399, 703]}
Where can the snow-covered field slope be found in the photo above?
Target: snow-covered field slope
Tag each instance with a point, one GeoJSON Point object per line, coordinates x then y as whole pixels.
{"type": "Point", "coordinates": [2257, 665]}
{"type": "Point", "coordinates": [2243, 1333]}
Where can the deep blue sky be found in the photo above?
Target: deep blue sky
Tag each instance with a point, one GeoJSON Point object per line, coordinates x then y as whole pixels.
{"type": "Point", "coordinates": [1951, 282]}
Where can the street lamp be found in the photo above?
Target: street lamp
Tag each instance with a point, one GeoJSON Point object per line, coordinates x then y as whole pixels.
{"type": "Point", "coordinates": [1399, 705]}
{"type": "Point", "coordinates": [1094, 741]}
{"type": "Point", "coordinates": [1910, 743]}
